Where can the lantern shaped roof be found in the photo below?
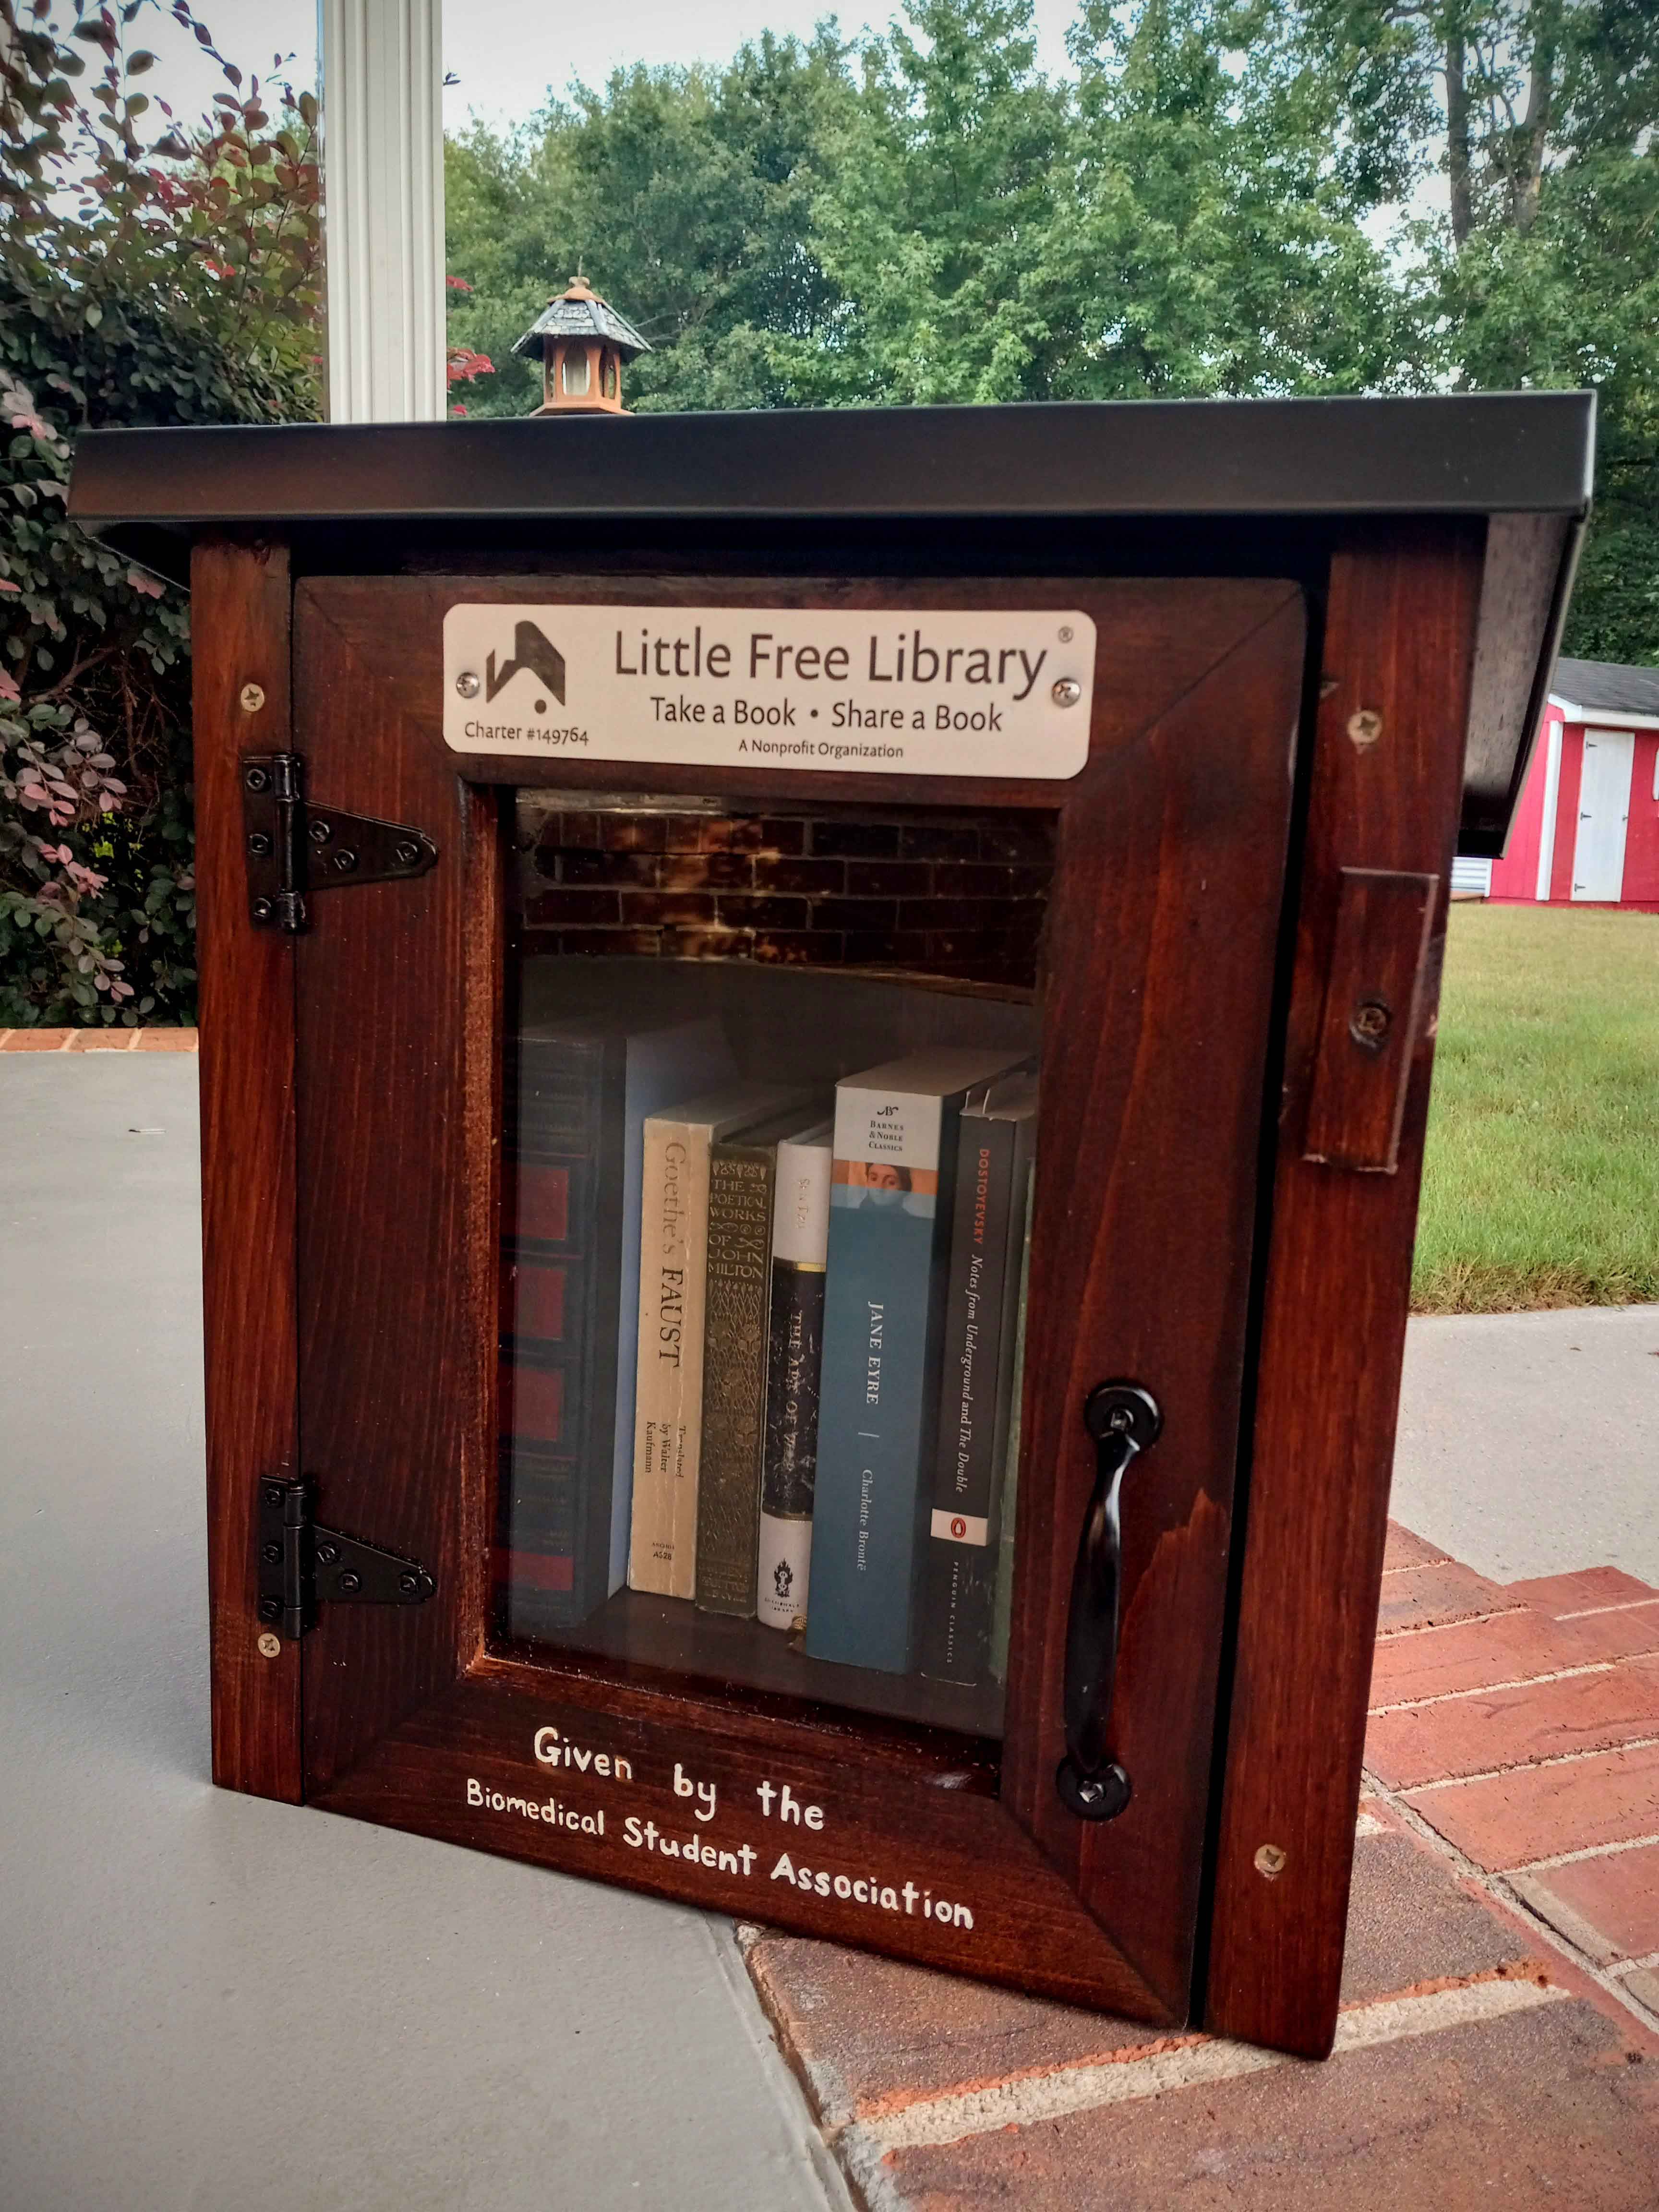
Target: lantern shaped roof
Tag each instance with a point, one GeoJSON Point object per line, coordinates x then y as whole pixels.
{"type": "Point", "coordinates": [579, 313]}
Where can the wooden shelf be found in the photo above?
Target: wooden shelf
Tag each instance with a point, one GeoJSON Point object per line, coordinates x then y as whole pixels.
{"type": "Point", "coordinates": [670, 1635]}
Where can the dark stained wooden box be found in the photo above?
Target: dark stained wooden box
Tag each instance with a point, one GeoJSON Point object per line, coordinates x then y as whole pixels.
{"type": "Point", "coordinates": [1325, 632]}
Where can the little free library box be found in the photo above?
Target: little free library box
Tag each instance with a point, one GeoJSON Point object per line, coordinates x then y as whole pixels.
{"type": "Point", "coordinates": [816, 1031]}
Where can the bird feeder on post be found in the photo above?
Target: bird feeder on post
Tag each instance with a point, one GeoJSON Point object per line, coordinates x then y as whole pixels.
{"type": "Point", "coordinates": [581, 344]}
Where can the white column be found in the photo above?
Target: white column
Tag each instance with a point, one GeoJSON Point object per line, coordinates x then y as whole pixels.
{"type": "Point", "coordinates": [382, 209]}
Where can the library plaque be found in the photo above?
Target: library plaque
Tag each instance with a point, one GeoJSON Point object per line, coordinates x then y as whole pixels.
{"type": "Point", "coordinates": [958, 693]}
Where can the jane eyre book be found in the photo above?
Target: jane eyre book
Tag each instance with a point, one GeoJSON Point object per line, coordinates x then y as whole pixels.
{"type": "Point", "coordinates": [890, 1218]}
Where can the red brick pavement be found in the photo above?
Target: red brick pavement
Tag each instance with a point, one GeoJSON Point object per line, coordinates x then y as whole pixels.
{"type": "Point", "coordinates": [1529, 1741]}
{"type": "Point", "coordinates": [99, 1039]}
{"type": "Point", "coordinates": [1499, 1992]}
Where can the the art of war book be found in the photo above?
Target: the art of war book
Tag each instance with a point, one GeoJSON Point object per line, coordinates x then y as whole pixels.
{"type": "Point", "coordinates": [801, 1242]}
{"type": "Point", "coordinates": [568, 1322]}
{"type": "Point", "coordinates": [994, 1140]}
{"type": "Point", "coordinates": [891, 1198]}
{"type": "Point", "coordinates": [741, 1172]}
{"type": "Point", "coordinates": [673, 1281]}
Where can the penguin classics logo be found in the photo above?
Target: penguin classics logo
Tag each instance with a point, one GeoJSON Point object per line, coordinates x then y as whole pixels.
{"type": "Point", "coordinates": [533, 651]}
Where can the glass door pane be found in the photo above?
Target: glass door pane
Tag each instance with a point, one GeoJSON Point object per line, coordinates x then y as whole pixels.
{"type": "Point", "coordinates": [770, 1110]}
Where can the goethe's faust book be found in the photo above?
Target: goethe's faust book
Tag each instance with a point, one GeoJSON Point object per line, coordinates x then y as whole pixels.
{"type": "Point", "coordinates": [740, 1178]}
{"type": "Point", "coordinates": [583, 1087]}
{"type": "Point", "coordinates": [890, 1218]}
{"type": "Point", "coordinates": [800, 1240]}
{"type": "Point", "coordinates": [673, 1282]}
{"type": "Point", "coordinates": [977, 1381]}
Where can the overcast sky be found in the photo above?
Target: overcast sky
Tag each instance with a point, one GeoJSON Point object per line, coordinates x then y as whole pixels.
{"type": "Point", "coordinates": [506, 53]}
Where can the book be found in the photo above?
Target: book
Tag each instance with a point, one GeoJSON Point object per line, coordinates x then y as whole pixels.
{"type": "Point", "coordinates": [662, 1554]}
{"type": "Point", "coordinates": [571, 1214]}
{"type": "Point", "coordinates": [800, 1236]}
{"type": "Point", "coordinates": [1002, 1604]}
{"type": "Point", "coordinates": [993, 1149]}
{"type": "Point", "coordinates": [890, 1192]}
{"type": "Point", "coordinates": [741, 1171]}
{"type": "Point", "coordinates": [663, 1065]}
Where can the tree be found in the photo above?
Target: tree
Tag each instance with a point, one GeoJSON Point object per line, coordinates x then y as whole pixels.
{"type": "Point", "coordinates": [1231, 195]}
{"type": "Point", "coordinates": [1218, 243]}
{"type": "Point", "coordinates": [684, 194]}
{"type": "Point", "coordinates": [164, 279]}
{"type": "Point", "coordinates": [941, 186]}
{"type": "Point", "coordinates": [1541, 117]}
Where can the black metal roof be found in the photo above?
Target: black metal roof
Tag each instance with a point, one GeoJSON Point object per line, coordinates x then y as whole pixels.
{"type": "Point", "coordinates": [1263, 486]}
{"type": "Point", "coordinates": [1604, 687]}
{"type": "Point", "coordinates": [579, 315]}
{"type": "Point", "coordinates": [1497, 453]}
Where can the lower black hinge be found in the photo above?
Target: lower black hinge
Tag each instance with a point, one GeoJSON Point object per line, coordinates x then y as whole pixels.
{"type": "Point", "coordinates": [302, 1565]}
{"type": "Point", "coordinates": [295, 849]}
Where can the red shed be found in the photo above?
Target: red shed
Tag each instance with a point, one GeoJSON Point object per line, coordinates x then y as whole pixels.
{"type": "Point", "coordinates": [1587, 829]}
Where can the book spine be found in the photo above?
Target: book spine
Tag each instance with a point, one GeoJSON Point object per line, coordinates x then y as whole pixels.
{"type": "Point", "coordinates": [662, 1555]}
{"type": "Point", "coordinates": [879, 1401]}
{"type": "Point", "coordinates": [1008, 1455]}
{"type": "Point", "coordinates": [555, 1397]}
{"type": "Point", "coordinates": [800, 1249]}
{"type": "Point", "coordinates": [734, 1375]}
{"type": "Point", "coordinates": [962, 1556]}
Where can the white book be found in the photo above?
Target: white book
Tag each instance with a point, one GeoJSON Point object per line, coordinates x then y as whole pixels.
{"type": "Point", "coordinates": [801, 1242]}
{"type": "Point", "coordinates": [662, 1554]}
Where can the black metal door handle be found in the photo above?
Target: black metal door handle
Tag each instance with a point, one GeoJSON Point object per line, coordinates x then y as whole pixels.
{"type": "Point", "coordinates": [1123, 1419]}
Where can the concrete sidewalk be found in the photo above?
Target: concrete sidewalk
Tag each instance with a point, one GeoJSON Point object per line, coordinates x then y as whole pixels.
{"type": "Point", "coordinates": [217, 2003]}
{"type": "Point", "coordinates": [1529, 1443]}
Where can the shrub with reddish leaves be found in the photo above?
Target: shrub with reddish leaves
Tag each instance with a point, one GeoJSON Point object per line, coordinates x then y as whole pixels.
{"type": "Point", "coordinates": [151, 272]}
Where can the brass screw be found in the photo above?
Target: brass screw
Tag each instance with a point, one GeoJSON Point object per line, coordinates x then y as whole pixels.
{"type": "Point", "coordinates": [270, 1646]}
{"type": "Point", "coordinates": [1366, 728]}
{"type": "Point", "coordinates": [1371, 1022]}
{"type": "Point", "coordinates": [1270, 1861]}
{"type": "Point", "coordinates": [252, 698]}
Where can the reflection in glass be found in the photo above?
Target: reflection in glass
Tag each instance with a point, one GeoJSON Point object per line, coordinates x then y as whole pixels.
{"type": "Point", "coordinates": [765, 1237]}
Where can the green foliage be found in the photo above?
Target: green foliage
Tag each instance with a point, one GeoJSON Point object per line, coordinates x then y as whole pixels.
{"type": "Point", "coordinates": [168, 281]}
{"type": "Point", "coordinates": [686, 195]}
{"type": "Point", "coordinates": [1544, 270]}
{"type": "Point", "coordinates": [1228, 196]}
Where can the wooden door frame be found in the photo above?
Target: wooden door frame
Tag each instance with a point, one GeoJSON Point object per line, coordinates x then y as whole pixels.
{"type": "Point", "coordinates": [244, 614]}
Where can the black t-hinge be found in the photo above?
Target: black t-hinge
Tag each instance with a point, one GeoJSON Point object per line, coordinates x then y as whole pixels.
{"type": "Point", "coordinates": [295, 849]}
{"type": "Point", "coordinates": [302, 1565]}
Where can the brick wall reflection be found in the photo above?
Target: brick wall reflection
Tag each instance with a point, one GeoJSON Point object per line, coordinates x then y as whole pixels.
{"type": "Point", "coordinates": [954, 895]}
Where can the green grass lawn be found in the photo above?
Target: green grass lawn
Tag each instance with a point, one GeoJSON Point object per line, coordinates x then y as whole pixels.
{"type": "Point", "coordinates": [1540, 1186]}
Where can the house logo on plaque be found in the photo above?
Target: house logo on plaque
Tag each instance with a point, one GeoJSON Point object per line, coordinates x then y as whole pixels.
{"type": "Point", "coordinates": [953, 691]}
{"type": "Point", "coordinates": [532, 651]}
